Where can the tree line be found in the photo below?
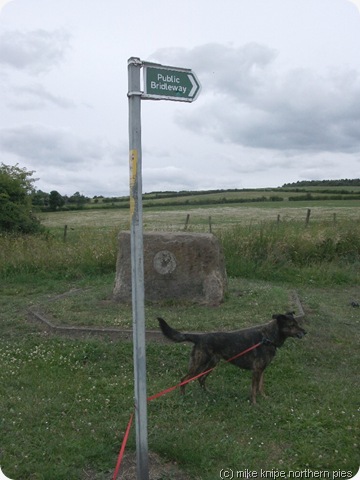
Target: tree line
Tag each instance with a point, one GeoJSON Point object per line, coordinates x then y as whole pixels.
{"type": "Point", "coordinates": [54, 200]}
{"type": "Point", "coordinates": [345, 182]}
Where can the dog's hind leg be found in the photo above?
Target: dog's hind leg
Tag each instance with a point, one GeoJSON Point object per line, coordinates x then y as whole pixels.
{"type": "Point", "coordinates": [209, 366]}
{"type": "Point", "coordinates": [200, 362]}
{"type": "Point", "coordinates": [194, 373]}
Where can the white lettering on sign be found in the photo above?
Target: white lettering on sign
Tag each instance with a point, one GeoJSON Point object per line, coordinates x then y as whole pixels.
{"type": "Point", "coordinates": [168, 86]}
{"type": "Point", "coordinates": [168, 78]}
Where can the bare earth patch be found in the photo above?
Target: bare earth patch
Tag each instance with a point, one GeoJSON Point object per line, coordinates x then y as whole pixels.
{"type": "Point", "coordinates": [158, 470]}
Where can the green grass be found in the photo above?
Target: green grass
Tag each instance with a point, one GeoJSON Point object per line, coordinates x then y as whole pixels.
{"type": "Point", "coordinates": [324, 252]}
{"type": "Point", "coordinates": [321, 253]}
{"type": "Point", "coordinates": [213, 197]}
{"type": "Point", "coordinates": [173, 217]}
{"type": "Point", "coordinates": [92, 306]}
{"type": "Point", "coordinates": [65, 403]}
{"type": "Point", "coordinates": [88, 251]}
{"type": "Point", "coordinates": [54, 393]}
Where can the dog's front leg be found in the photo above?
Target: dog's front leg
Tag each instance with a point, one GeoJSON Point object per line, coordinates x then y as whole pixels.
{"type": "Point", "coordinates": [256, 377]}
{"type": "Point", "coordinates": [261, 385]}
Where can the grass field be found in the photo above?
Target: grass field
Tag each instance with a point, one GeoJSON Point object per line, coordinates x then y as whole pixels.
{"type": "Point", "coordinates": [173, 218]}
{"type": "Point", "coordinates": [65, 402]}
{"type": "Point", "coordinates": [161, 199]}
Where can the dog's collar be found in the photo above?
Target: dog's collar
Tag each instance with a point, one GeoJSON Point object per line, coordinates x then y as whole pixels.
{"type": "Point", "coordinates": [267, 342]}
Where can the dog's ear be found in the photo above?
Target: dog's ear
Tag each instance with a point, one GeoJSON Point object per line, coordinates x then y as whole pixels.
{"type": "Point", "coordinates": [275, 316]}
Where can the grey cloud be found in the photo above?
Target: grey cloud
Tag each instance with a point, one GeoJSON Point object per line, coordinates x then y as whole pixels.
{"type": "Point", "coordinates": [48, 146]}
{"type": "Point", "coordinates": [34, 51]}
{"type": "Point", "coordinates": [96, 180]}
{"type": "Point", "coordinates": [160, 179]}
{"type": "Point", "coordinates": [301, 113]}
{"type": "Point", "coordinates": [256, 104]}
{"type": "Point", "coordinates": [226, 70]}
{"type": "Point", "coordinates": [36, 97]}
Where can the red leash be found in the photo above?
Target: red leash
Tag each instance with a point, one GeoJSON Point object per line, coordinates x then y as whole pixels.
{"type": "Point", "coordinates": [168, 390]}
{"type": "Point", "coordinates": [122, 449]}
{"type": "Point", "coordinates": [164, 392]}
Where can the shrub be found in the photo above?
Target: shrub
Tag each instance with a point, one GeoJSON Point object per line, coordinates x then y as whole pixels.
{"type": "Point", "coordinates": [15, 201]}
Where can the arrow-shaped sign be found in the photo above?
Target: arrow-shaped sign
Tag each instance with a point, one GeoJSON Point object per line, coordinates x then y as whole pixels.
{"type": "Point", "coordinates": [195, 86]}
{"type": "Point", "coordinates": [170, 83]}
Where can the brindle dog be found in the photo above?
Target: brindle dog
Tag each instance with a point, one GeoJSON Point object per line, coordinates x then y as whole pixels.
{"type": "Point", "coordinates": [210, 348]}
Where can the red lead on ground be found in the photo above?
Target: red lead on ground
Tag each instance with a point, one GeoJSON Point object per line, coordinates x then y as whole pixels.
{"type": "Point", "coordinates": [164, 392]}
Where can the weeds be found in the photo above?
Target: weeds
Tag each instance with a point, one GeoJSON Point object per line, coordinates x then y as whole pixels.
{"type": "Point", "coordinates": [91, 251]}
{"type": "Point", "coordinates": [322, 253]}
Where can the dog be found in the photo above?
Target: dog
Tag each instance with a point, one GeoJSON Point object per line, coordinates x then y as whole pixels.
{"type": "Point", "coordinates": [210, 348]}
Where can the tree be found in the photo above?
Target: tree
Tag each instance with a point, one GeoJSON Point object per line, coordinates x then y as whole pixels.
{"type": "Point", "coordinates": [16, 187]}
{"type": "Point", "coordinates": [40, 199]}
{"type": "Point", "coordinates": [79, 199]}
{"type": "Point", "coordinates": [55, 200]}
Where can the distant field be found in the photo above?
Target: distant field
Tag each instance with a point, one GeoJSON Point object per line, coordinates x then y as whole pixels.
{"type": "Point", "coordinates": [233, 196]}
{"type": "Point", "coordinates": [173, 218]}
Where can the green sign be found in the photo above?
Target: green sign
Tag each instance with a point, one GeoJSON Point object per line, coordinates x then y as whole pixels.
{"type": "Point", "coordinates": [170, 83]}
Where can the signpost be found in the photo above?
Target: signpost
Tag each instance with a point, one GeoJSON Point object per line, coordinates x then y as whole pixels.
{"type": "Point", "coordinates": [137, 268]}
{"type": "Point", "coordinates": [160, 83]}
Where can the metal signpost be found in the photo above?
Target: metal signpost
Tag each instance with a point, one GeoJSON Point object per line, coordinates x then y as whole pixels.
{"type": "Point", "coordinates": [137, 268]}
{"type": "Point", "coordinates": [160, 83]}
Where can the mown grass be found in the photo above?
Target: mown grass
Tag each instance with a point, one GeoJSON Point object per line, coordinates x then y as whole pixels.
{"type": "Point", "coordinates": [54, 393]}
{"type": "Point", "coordinates": [189, 198]}
{"type": "Point", "coordinates": [173, 218]}
{"type": "Point", "coordinates": [93, 306]}
{"type": "Point", "coordinates": [65, 403]}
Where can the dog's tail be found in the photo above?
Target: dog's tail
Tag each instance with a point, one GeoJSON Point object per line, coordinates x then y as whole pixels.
{"type": "Point", "coordinates": [176, 336]}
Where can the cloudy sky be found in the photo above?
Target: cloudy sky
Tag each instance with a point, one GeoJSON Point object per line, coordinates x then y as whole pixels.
{"type": "Point", "coordinates": [280, 99]}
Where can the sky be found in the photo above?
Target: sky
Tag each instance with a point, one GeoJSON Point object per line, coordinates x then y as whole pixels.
{"type": "Point", "coordinates": [280, 97]}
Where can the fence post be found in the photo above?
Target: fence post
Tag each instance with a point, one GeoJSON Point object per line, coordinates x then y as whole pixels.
{"type": "Point", "coordinates": [308, 216]}
{"type": "Point", "coordinates": [210, 226]}
{"type": "Point", "coordinates": [187, 221]}
{"type": "Point", "coordinates": [65, 232]}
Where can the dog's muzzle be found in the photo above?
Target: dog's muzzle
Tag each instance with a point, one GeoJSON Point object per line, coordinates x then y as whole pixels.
{"type": "Point", "coordinates": [301, 334]}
